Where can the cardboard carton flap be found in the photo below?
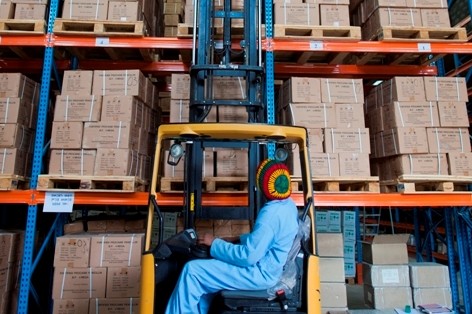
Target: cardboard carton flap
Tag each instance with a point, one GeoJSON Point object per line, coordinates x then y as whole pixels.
{"type": "Point", "coordinates": [391, 238]}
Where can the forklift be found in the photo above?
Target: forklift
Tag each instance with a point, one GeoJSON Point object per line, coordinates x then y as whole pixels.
{"type": "Point", "coordinates": [191, 145]}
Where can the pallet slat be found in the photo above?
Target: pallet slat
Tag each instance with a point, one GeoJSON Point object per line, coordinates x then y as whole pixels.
{"type": "Point", "coordinates": [13, 182]}
{"type": "Point", "coordinates": [186, 31]}
{"type": "Point", "coordinates": [90, 183]}
{"type": "Point", "coordinates": [209, 184]}
{"type": "Point", "coordinates": [427, 184]}
{"type": "Point", "coordinates": [98, 28]}
{"type": "Point", "coordinates": [340, 184]}
{"type": "Point", "coordinates": [317, 32]}
{"type": "Point", "coordinates": [22, 27]}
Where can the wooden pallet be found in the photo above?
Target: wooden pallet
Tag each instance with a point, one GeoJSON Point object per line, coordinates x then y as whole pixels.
{"type": "Point", "coordinates": [410, 33]}
{"type": "Point", "coordinates": [427, 184]}
{"type": "Point", "coordinates": [321, 32]}
{"type": "Point", "coordinates": [13, 182]}
{"type": "Point", "coordinates": [209, 184]}
{"type": "Point", "coordinates": [98, 28]}
{"type": "Point", "coordinates": [340, 184]}
{"type": "Point", "coordinates": [186, 31]}
{"type": "Point", "coordinates": [73, 183]}
{"type": "Point", "coordinates": [22, 27]}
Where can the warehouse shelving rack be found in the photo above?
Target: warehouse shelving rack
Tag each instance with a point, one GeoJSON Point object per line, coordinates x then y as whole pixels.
{"type": "Point", "coordinates": [455, 206]}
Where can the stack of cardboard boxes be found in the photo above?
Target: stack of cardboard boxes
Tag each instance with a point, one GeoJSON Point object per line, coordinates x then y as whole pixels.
{"type": "Point", "coordinates": [97, 273]}
{"type": "Point", "coordinates": [23, 9]}
{"type": "Point", "coordinates": [332, 111]}
{"type": "Point", "coordinates": [173, 15]}
{"type": "Point", "coordinates": [104, 124]}
{"type": "Point", "coordinates": [18, 109]}
{"type": "Point", "coordinates": [419, 126]}
{"type": "Point", "coordinates": [11, 249]}
{"type": "Point", "coordinates": [385, 272]}
{"type": "Point", "coordinates": [332, 276]}
{"type": "Point", "coordinates": [430, 284]}
{"type": "Point", "coordinates": [312, 12]}
{"type": "Point", "coordinates": [373, 15]}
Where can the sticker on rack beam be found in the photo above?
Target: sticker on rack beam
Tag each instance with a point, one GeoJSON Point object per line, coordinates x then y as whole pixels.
{"type": "Point", "coordinates": [58, 202]}
{"type": "Point", "coordinates": [102, 41]}
{"type": "Point", "coordinates": [316, 45]}
{"type": "Point", "coordinates": [424, 47]}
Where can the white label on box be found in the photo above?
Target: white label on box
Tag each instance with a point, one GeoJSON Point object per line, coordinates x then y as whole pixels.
{"type": "Point", "coordinates": [390, 276]}
{"type": "Point", "coordinates": [58, 202]}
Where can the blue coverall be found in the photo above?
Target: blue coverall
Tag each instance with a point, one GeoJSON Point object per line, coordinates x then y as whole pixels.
{"type": "Point", "coordinates": [254, 264]}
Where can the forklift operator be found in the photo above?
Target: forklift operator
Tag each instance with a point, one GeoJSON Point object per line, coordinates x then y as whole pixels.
{"type": "Point", "coordinates": [255, 262]}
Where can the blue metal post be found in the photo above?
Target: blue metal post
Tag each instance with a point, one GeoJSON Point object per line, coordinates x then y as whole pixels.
{"type": "Point", "coordinates": [269, 71]}
{"type": "Point", "coordinates": [30, 229]}
{"type": "Point", "coordinates": [418, 240]}
{"type": "Point", "coordinates": [448, 215]}
{"type": "Point", "coordinates": [463, 260]}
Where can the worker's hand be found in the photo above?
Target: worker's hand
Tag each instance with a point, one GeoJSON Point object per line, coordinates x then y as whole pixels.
{"type": "Point", "coordinates": [206, 239]}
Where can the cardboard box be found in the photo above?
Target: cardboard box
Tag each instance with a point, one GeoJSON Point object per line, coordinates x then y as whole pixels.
{"type": "Point", "coordinates": [334, 221]}
{"type": "Point", "coordinates": [77, 82]}
{"type": "Point", "coordinates": [230, 114]}
{"type": "Point", "coordinates": [402, 141]}
{"type": "Point", "coordinates": [429, 275]}
{"type": "Point", "coordinates": [119, 82]}
{"type": "Point", "coordinates": [9, 245]}
{"type": "Point", "coordinates": [349, 116]}
{"type": "Point", "coordinates": [334, 14]}
{"type": "Point", "coordinates": [330, 244]}
{"type": "Point", "coordinates": [110, 134]}
{"type": "Point", "coordinates": [442, 140]}
{"type": "Point", "coordinates": [72, 162]}
{"type": "Point", "coordinates": [18, 85]}
{"type": "Point", "coordinates": [386, 275]}
{"type": "Point", "coordinates": [79, 283]}
{"type": "Point", "coordinates": [301, 90]}
{"type": "Point", "coordinates": [180, 86]}
{"type": "Point", "coordinates": [321, 223]}
{"type": "Point", "coordinates": [296, 14]}
{"type": "Point", "coordinates": [85, 9]}
{"type": "Point", "coordinates": [435, 18]}
{"type": "Point", "coordinates": [111, 306]}
{"type": "Point", "coordinates": [123, 282]}
{"type": "Point", "coordinates": [333, 294]}
{"type": "Point", "coordinates": [70, 306]}
{"type": "Point", "coordinates": [124, 109]}
{"type": "Point", "coordinates": [332, 269]}
{"type": "Point", "coordinates": [446, 89]}
{"type": "Point", "coordinates": [124, 11]}
{"type": "Point", "coordinates": [427, 3]}
{"type": "Point", "coordinates": [354, 164]}
{"type": "Point", "coordinates": [387, 297]}
{"type": "Point", "coordinates": [74, 227]}
{"type": "Point", "coordinates": [386, 249]}
{"type": "Point", "coordinates": [395, 17]}
{"type": "Point", "coordinates": [78, 108]}
{"type": "Point", "coordinates": [13, 135]}
{"type": "Point", "coordinates": [324, 164]}
{"type": "Point", "coordinates": [410, 114]}
{"type": "Point", "coordinates": [7, 11]}
{"type": "Point", "coordinates": [440, 296]}
{"type": "Point", "coordinates": [116, 250]}
{"type": "Point", "coordinates": [460, 164]}
{"type": "Point", "coordinates": [72, 251]}
{"type": "Point", "coordinates": [179, 110]}
{"type": "Point", "coordinates": [229, 88]}
{"type": "Point", "coordinates": [14, 162]}
{"type": "Point", "coordinates": [231, 163]}
{"type": "Point", "coordinates": [403, 89]}
{"type": "Point", "coordinates": [414, 164]}
{"type": "Point", "coordinates": [453, 114]}
{"type": "Point", "coordinates": [343, 140]}
{"type": "Point", "coordinates": [116, 162]}
{"type": "Point", "coordinates": [178, 170]}
{"type": "Point", "coordinates": [310, 115]}
{"type": "Point", "coordinates": [67, 135]}
{"type": "Point", "coordinates": [344, 91]}
{"type": "Point", "coordinates": [30, 11]}
{"type": "Point", "coordinates": [15, 110]}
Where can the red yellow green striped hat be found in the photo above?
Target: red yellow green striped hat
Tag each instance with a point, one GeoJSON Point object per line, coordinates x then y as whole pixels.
{"type": "Point", "coordinates": [273, 179]}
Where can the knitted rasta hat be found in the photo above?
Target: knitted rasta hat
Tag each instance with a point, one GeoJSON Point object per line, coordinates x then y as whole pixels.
{"type": "Point", "coordinates": [273, 179]}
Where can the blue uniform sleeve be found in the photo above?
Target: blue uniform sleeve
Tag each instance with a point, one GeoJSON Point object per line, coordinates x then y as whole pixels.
{"type": "Point", "coordinates": [253, 247]}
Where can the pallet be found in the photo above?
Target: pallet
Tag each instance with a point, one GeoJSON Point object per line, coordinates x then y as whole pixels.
{"type": "Point", "coordinates": [209, 184]}
{"type": "Point", "coordinates": [75, 183]}
{"type": "Point", "coordinates": [430, 34]}
{"type": "Point", "coordinates": [427, 184]}
{"type": "Point", "coordinates": [186, 31]}
{"type": "Point", "coordinates": [13, 182]}
{"type": "Point", "coordinates": [98, 28]}
{"type": "Point", "coordinates": [22, 27]}
{"type": "Point", "coordinates": [321, 32]}
{"type": "Point", "coordinates": [340, 184]}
